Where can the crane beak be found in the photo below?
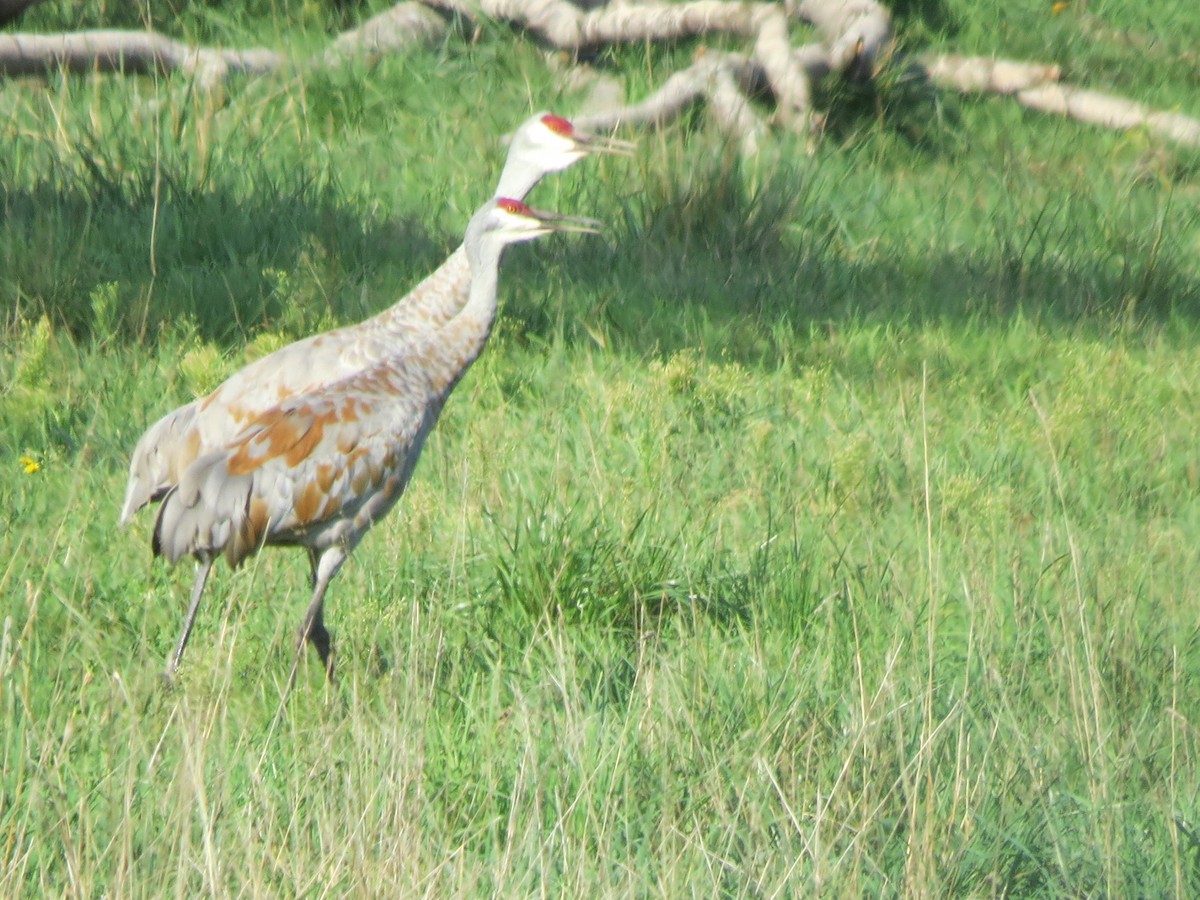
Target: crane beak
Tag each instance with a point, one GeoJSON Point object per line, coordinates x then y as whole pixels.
{"type": "Point", "coordinates": [595, 143]}
{"type": "Point", "coordinates": [570, 224]}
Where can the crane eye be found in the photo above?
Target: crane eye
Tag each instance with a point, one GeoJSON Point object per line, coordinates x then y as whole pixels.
{"type": "Point", "coordinates": [558, 125]}
{"type": "Point", "coordinates": [514, 207]}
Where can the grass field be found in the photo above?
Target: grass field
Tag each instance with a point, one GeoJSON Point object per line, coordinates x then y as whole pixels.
{"type": "Point", "coordinates": [830, 526]}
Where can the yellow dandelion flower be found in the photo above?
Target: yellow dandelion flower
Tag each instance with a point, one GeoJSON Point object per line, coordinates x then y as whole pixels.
{"type": "Point", "coordinates": [30, 464]}
{"type": "Point", "coordinates": [1059, 8]}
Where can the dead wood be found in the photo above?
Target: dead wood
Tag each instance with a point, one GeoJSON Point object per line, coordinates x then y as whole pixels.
{"type": "Point", "coordinates": [854, 40]}
{"type": "Point", "coordinates": [126, 51]}
{"type": "Point", "coordinates": [1038, 86]}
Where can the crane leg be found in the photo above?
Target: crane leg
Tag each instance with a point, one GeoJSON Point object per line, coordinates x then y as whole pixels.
{"type": "Point", "coordinates": [325, 565]}
{"type": "Point", "coordinates": [204, 564]}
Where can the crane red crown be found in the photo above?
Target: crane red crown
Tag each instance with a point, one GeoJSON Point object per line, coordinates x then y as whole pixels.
{"type": "Point", "coordinates": [515, 207]}
{"type": "Point", "coordinates": [558, 125]}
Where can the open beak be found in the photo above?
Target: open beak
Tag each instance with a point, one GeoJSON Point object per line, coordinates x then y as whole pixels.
{"type": "Point", "coordinates": [595, 143]}
{"type": "Point", "coordinates": [571, 224]}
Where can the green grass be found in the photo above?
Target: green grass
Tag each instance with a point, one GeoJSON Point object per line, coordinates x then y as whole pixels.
{"type": "Point", "coordinates": [828, 526]}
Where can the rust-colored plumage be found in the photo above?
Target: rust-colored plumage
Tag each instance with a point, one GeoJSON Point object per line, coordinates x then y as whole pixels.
{"type": "Point", "coordinates": [543, 144]}
{"type": "Point", "coordinates": [318, 469]}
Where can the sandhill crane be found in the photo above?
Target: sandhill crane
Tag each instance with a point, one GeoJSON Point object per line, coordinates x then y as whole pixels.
{"type": "Point", "coordinates": [543, 144]}
{"type": "Point", "coordinates": [317, 470]}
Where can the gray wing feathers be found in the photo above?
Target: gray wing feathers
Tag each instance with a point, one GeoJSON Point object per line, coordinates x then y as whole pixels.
{"type": "Point", "coordinates": [207, 512]}
{"type": "Point", "coordinates": [288, 479]}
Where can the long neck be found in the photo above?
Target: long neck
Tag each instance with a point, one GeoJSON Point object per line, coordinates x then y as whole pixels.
{"type": "Point", "coordinates": [441, 296]}
{"type": "Point", "coordinates": [460, 342]}
{"type": "Point", "coordinates": [433, 302]}
{"type": "Point", "coordinates": [475, 321]}
{"type": "Point", "coordinates": [517, 179]}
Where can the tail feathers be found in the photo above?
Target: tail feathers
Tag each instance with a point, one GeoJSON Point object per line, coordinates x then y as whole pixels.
{"type": "Point", "coordinates": [136, 496]}
{"type": "Point", "coordinates": [209, 511]}
{"type": "Point", "coordinates": [166, 448]}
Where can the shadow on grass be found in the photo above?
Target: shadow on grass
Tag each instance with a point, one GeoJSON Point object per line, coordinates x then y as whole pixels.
{"type": "Point", "coordinates": [713, 262]}
{"type": "Point", "coordinates": [935, 15]}
{"type": "Point", "coordinates": [291, 254]}
{"type": "Point", "coordinates": [733, 260]}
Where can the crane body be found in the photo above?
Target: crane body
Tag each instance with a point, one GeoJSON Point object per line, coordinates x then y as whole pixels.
{"type": "Point", "coordinates": [319, 468]}
{"type": "Point", "coordinates": [544, 143]}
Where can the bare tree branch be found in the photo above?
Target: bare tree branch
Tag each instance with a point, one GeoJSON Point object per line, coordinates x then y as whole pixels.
{"type": "Point", "coordinates": [677, 93]}
{"type": "Point", "coordinates": [566, 27]}
{"type": "Point", "coordinates": [1037, 86]}
{"type": "Point", "coordinates": [1110, 112]}
{"type": "Point", "coordinates": [856, 33]}
{"type": "Point", "coordinates": [855, 40]}
{"type": "Point", "coordinates": [731, 110]}
{"type": "Point", "coordinates": [789, 82]}
{"type": "Point", "coordinates": [977, 74]}
{"type": "Point", "coordinates": [403, 27]}
{"type": "Point", "coordinates": [126, 51]}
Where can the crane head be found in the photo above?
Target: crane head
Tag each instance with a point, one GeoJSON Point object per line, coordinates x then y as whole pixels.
{"type": "Point", "coordinates": [551, 143]}
{"type": "Point", "coordinates": [509, 221]}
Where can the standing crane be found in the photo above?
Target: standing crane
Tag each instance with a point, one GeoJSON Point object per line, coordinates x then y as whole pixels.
{"type": "Point", "coordinates": [320, 468]}
{"type": "Point", "coordinates": [543, 144]}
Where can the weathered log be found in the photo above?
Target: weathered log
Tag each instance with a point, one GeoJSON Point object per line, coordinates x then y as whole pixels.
{"type": "Point", "coordinates": [978, 74]}
{"type": "Point", "coordinates": [1112, 112]}
{"type": "Point", "coordinates": [126, 51]}
{"type": "Point", "coordinates": [403, 27]}
{"type": "Point", "coordinates": [857, 34]}
{"type": "Point", "coordinates": [1037, 86]}
{"type": "Point", "coordinates": [855, 39]}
